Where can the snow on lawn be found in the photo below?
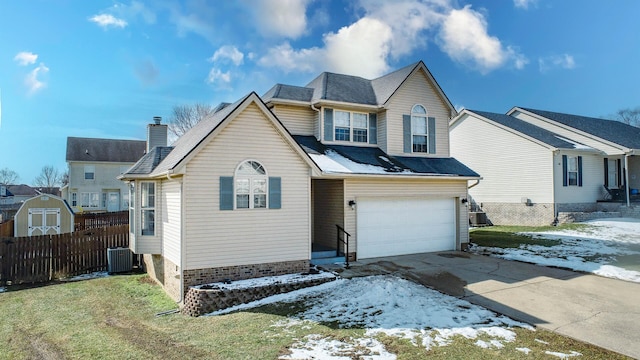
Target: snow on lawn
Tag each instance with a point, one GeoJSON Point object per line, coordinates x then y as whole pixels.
{"type": "Point", "coordinates": [386, 305]}
{"type": "Point", "coordinates": [594, 249]}
{"type": "Point", "coordinates": [2, 289]}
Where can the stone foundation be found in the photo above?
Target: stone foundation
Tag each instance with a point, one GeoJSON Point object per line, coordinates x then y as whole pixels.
{"type": "Point", "coordinates": [519, 214]}
{"type": "Point", "coordinates": [212, 275]}
{"type": "Point", "coordinates": [206, 299]}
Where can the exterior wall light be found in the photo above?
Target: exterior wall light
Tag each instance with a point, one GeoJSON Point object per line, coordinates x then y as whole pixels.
{"type": "Point", "coordinates": [352, 203]}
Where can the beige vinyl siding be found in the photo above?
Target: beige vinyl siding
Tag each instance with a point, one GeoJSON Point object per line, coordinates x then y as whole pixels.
{"type": "Point", "coordinates": [328, 208]}
{"type": "Point", "coordinates": [105, 179]}
{"type": "Point", "coordinates": [299, 120]}
{"type": "Point", "coordinates": [416, 90]}
{"type": "Point", "coordinates": [382, 130]}
{"type": "Point", "coordinates": [568, 134]}
{"type": "Point", "coordinates": [171, 220]}
{"type": "Point", "coordinates": [512, 167]}
{"type": "Point", "coordinates": [418, 188]}
{"type": "Point", "coordinates": [592, 179]}
{"type": "Point", "coordinates": [216, 238]}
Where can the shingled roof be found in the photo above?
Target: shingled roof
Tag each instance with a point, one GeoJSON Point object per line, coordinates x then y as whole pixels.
{"type": "Point", "coordinates": [106, 150]}
{"type": "Point", "coordinates": [528, 129]}
{"type": "Point", "coordinates": [610, 130]}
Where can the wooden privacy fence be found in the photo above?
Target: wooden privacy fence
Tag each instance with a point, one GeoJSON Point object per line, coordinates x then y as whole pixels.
{"type": "Point", "coordinates": [38, 259]}
{"type": "Point", "coordinates": [92, 221]}
{"type": "Point", "coordinates": [6, 228]}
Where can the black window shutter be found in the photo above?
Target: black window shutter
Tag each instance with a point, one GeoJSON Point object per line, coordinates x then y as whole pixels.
{"type": "Point", "coordinates": [373, 128]}
{"type": "Point", "coordinates": [406, 132]}
{"type": "Point", "coordinates": [565, 180]}
{"type": "Point", "coordinates": [226, 192]}
{"type": "Point", "coordinates": [328, 124]}
{"type": "Point", "coordinates": [579, 170]}
{"type": "Point", "coordinates": [275, 193]}
{"type": "Point", "coordinates": [606, 173]}
{"type": "Point", "coordinates": [431, 127]}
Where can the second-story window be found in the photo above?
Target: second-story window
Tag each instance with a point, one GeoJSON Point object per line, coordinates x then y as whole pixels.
{"type": "Point", "coordinates": [351, 126]}
{"type": "Point", "coordinates": [419, 129]}
{"type": "Point", "coordinates": [89, 172]}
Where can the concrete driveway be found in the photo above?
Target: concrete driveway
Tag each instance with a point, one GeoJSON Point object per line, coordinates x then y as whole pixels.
{"type": "Point", "coordinates": [601, 311]}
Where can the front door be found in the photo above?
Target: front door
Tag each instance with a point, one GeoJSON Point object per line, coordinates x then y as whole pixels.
{"type": "Point", "coordinates": [113, 202]}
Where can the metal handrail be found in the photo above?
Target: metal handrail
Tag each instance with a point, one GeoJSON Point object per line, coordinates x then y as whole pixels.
{"type": "Point", "coordinates": [346, 243]}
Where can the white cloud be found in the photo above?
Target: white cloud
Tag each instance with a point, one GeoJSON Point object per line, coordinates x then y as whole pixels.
{"type": "Point", "coordinates": [286, 18]}
{"type": "Point", "coordinates": [33, 82]}
{"type": "Point", "coordinates": [390, 30]}
{"type": "Point", "coordinates": [228, 53]}
{"type": "Point", "coordinates": [216, 76]}
{"type": "Point", "coordinates": [524, 4]}
{"type": "Point", "coordinates": [25, 58]}
{"type": "Point", "coordinates": [465, 39]}
{"type": "Point", "coordinates": [107, 20]}
{"type": "Point", "coordinates": [564, 61]}
{"type": "Point", "coordinates": [197, 18]}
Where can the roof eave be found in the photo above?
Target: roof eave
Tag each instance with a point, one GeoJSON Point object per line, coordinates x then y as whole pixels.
{"type": "Point", "coordinates": [400, 176]}
{"type": "Point", "coordinates": [324, 102]}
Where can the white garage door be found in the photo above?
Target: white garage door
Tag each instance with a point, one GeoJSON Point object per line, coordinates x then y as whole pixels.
{"type": "Point", "coordinates": [401, 226]}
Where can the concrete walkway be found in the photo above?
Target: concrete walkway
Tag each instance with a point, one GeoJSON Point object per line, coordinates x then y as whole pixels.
{"type": "Point", "coordinates": [604, 312]}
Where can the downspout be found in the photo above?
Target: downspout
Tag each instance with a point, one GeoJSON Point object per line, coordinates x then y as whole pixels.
{"type": "Point", "coordinates": [626, 178]}
{"type": "Point", "coordinates": [477, 182]}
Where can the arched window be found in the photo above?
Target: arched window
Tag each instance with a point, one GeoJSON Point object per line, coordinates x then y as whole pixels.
{"type": "Point", "coordinates": [251, 185]}
{"type": "Point", "coordinates": [419, 129]}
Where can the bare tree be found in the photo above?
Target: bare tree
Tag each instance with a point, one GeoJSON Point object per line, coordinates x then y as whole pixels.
{"type": "Point", "coordinates": [8, 176]}
{"type": "Point", "coordinates": [49, 177]}
{"type": "Point", "coordinates": [184, 117]}
{"type": "Point", "coordinates": [629, 116]}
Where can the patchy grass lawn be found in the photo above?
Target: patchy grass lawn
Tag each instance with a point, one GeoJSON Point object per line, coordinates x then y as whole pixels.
{"type": "Point", "coordinates": [115, 318]}
{"type": "Point", "coordinates": [509, 237]}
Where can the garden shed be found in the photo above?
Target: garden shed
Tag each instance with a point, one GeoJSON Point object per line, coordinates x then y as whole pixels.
{"type": "Point", "coordinates": [43, 215]}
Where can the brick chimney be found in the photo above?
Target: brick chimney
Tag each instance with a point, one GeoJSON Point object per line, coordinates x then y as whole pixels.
{"type": "Point", "coordinates": [156, 134]}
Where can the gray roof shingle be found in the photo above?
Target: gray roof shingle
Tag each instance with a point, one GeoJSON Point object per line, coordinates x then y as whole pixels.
{"type": "Point", "coordinates": [610, 130]}
{"type": "Point", "coordinates": [150, 161]}
{"type": "Point", "coordinates": [106, 150]}
{"type": "Point", "coordinates": [523, 127]}
{"type": "Point", "coordinates": [289, 92]}
{"type": "Point", "coordinates": [374, 156]}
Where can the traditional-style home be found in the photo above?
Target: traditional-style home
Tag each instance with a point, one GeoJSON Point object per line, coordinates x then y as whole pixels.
{"type": "Point", "coordinates": [95, 164]}
{"type": "Point", "coordinates": [259, 186]}
{"type": "Point", "coordinates": [536, 164]}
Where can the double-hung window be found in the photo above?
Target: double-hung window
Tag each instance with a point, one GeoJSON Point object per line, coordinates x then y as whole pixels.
{"type": "Point", "coordinates": [132, 209]}
{"type": "Point", "coordinates": [572, 170]}
{"type": "Point", "coordinates": [612, 173]}
{"type": "Point", "coordinates": [147, 206]}
{"type": "Point", "coordinates": [89, 199]}
{"type": "Point", "coordinates": [89, 172]}
{"type": "Point", "coordinates": [419, 129]}
{"type": "Point", "coordinates": [74, 199]}
{"type": "Point", "coordinates": [351, 126]}
{"type": "Point", "coordinates": [251, 186]}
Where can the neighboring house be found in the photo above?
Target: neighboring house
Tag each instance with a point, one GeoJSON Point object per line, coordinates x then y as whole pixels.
{"type": "Point", "coordinates": [95, 164]}
{"type": "Point", "coordinates": [536, 164]}
{"type": "Point", "coordinates": [12, 197]}
{"type": "Point", "coordinates": [255, 188]}
{"type": "Point", "coordinates": [43, 215]}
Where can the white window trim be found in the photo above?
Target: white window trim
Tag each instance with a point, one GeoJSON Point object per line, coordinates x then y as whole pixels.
{"type": "Point", "coordinates": [351, 126]}
{"type": "Point", "coordinates": [426, 134]}
{"type": "Point", "coordinates": [93, 200]}
{"type": "Point", "coordinates": [251, 179]}
{"type": "Point", "coordinates": [149, 207]}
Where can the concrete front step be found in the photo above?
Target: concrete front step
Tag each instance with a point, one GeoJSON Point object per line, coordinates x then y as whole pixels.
{"type": "Point", "coordinates": [327, 260]}
{"type": "Point", "coordinates": [323, 254]}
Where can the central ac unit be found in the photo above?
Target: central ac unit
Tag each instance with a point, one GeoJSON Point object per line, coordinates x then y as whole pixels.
{"type": "Point", "coordinates": [119, 260]}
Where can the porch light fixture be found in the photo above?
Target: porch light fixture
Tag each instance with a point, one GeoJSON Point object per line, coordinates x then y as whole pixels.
{"type": "Point", "coordinates": [463, 200]}
{"type": "Point", "coordinates": [352, 203]}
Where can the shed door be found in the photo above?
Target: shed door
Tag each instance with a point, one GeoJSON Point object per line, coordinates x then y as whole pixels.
{"type": "Point", "coordinates": [401, 226]}
{"type": "Point", "coordinates": [44, 222]}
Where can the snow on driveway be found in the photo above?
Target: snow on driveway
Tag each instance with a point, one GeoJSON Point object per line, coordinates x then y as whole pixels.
{"type": "Point", "coordinates": [386, 305]}
{"type": "Point", "coordinates": [598, 249]}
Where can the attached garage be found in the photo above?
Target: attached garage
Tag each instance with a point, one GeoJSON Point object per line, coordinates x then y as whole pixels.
{"type": "Point", "coordinates": [400, 226]}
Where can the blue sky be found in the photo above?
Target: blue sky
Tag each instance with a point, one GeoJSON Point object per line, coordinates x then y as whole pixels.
{"type": "Point", "coordinates": [105, 68]}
